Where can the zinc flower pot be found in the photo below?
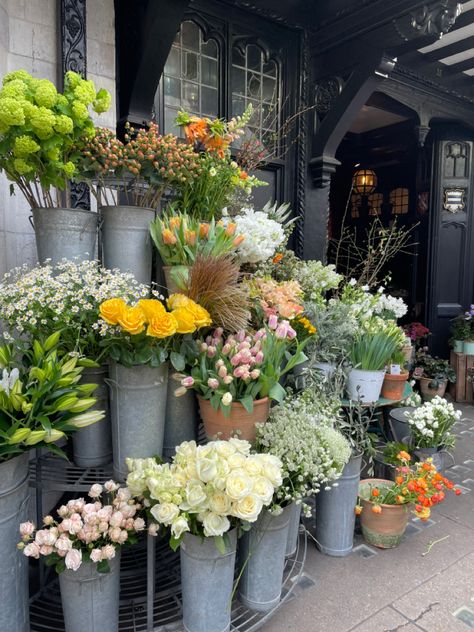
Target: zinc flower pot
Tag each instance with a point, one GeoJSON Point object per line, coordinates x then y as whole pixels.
{"type": "Point", "coordinates": [385, 529]}
{"type": "Point", "coordinates": [126, 240]}
{"type": "Point", "coordinates": [398, 423]}
{"type": "Point", "coordinates": [468, 347]}
{"type": "Point", "coordinates": [182, 419]}
{"type": "Point", "coordinates": [439, 456]}
{"type": "Point", "coordinates": [92, 446]}
{"type": "Point", "coordinates": [293, 530]}
{"type": "Point", "coordinates": [207, 581]}
{"type": "Point", "coordinates": [14, 614]}
{"type": "Point", "coordinates": [262, 552]}
{"type": "Point", "coordinates": [394, 385]}
{"type": "Point", "coordinates": [427, 393]}
{"type": "Point", "coordinates": [65, 233]}
{"type": "Point", "coordinates": [90, 599]}
{"type": "Point", "coordinates": [137, 411]}
{"type": "Point", "coordinates": [335, 517]}
{"type": "Point", "coordinates": [217, 425]}
{"type": "Point", "coordinates": [458, 346]}
{"type": "Point", "coordinates": [365, 385]}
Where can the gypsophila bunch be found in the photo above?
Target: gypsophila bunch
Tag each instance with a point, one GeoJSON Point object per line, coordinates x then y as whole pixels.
{"type": "Point", "coordinates": [262, 235]}
{"type": "Point", "coordinates": [206, 490]}
{"type": "Point", "coordinates": [431, 424]}
{"type": "Point", "coordinates": [312, 454]}
{"type": "Point", "coordinates": [64, 296]}
{"type": "Point", "coordinates": [86, 531]}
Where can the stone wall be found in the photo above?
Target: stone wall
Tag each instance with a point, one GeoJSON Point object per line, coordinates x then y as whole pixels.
{"type": "Point", "coordinates": [29, 39]}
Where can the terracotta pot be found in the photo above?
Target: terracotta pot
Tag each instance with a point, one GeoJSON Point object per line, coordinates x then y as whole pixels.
{"type": "Point", "coordinates": [407, 351]}
{"type": "Point", "coordinates": [428, 393]}
{"type": "Point", "coordinates": [215, 424]}
{"type": "Point", "coordinates": [383, 530]}
{"type": "Point", "coordinates": [394, 385]}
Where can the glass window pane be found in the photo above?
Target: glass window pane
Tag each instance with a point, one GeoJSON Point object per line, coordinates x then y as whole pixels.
{"type": "Point", "coordinates": [190, 35]}
{"type": "Point", "coordinates": [209, 101]}
{"type": "Point", "coordinates": [170, 117]}
{"type": "Point", "coordinates": [237, 58]}
{"type": "Point", "coordinates": [269, 115]}
{"type": "Point", "coordinates": [238, 80]}
{"type": "Point", "coordinates": [254, 85]}
{"type": "Point", "coordinates": [268, 89]}
{"type": "Point", "coordinates": [172, 90]}
{"type": "Point", "coordinates": [238, 105]}
{"type": "Point", "coordinates": [254, 57]}
{"type": "Point", "coordinates": [209, 48]}
{"type": "Point", "coordinates": [173, 63]}
{"type": "Point", "coordinates": [190, 65]}
{"type": "Point", "coordinates": [190, 96]}
{"type": "Point", "coordinates": [269, 68]}
{"type": "Point", "coordinates": [209, 74]}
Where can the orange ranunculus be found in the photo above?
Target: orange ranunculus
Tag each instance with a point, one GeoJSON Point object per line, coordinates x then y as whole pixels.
{"type": "Point", "coordinates": [111, 310]}
{"type": "Point", "coordinates": [357, 510]}
{"type": "Point", "coordinates": [151, 307]}
{"type": "Point", "coordinates": [174, 222]}
{"type": "Point", "coordinates": [203, 230]}
{"type": "Point", "coordinates": [376, 509]}
{"type": "Point", "coordinates": [424, 514]}
{"type": "Point", "coordinates": [230, 229]}
{"type": "Point", "coordinates": [238, 240]}
{"type": "Point", "coordinates": [399, 480]}
{"type": "Point", "coordinates": [277, 258]}
{"type": "Point", "coordinates": [168, 237]}
{"type": "Point", "coordinates": [375, 492]}
{"type": "Point", "coordinates": [162, 326]}
{"type": "Point", "coordinates": [190, 237]}
{"type": "Point", "coordinates": [132, 320]}
{"type": "Point", "coordinates": [185, 319]}
{"type": "Point", "coordinates": [403, 456]}
{"type": "Point", "coordinates": [400, 499]}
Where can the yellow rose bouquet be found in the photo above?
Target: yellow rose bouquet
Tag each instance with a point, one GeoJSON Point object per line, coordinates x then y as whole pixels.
{"type": "Point", "coordinates": [149, 333]}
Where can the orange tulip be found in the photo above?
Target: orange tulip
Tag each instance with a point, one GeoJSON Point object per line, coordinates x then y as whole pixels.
{"type": "Point", "coordinates": [168, 238]}
{"type": "Point", "coordinates": [175, 222]}
{"type": "Point", "coordinates": [203, 230]}
{"type": "Point", "coordinates": [190, 237]}
{"type": "Point", "coordinates": [230, 230]}
{"type": "Point", "coordinates": [238, 240]}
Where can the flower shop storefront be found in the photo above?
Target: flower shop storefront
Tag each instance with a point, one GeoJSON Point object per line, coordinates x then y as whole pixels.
{"type": "Point", "coordinates": [188, 388]}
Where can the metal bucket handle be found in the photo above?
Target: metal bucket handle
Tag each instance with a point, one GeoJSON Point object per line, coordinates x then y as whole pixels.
{"type": "Point", "coordinates": [30, 219]}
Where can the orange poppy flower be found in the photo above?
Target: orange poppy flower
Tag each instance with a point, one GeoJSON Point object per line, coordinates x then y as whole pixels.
{"type": "Point", "coordinates": [376, 509]}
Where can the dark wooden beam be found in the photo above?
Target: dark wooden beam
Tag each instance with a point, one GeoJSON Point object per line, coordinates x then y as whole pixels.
{"type": "Point", "coordinates": [456, 69]}
{"type": "Point", "coordinates": [451, 49]}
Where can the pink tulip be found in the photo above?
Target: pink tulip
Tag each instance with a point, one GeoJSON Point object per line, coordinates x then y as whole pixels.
{"type": "Point", "coordinates": [273, 321]}
{"type": "Point", "coordinates": [187, 382]}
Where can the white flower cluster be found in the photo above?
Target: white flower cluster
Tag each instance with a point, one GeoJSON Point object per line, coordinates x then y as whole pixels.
{"type": "Point", "coordinates": [431, 423]}
{"type": "Point", "coordinates": [313, 454]}
{"type": "Point", "coordinates": [262, 235]}
{"type": "Point", "coordinates": [206, 486]}
{"type": "Point", "coordinates": [315, 278]}
{"type": "Point", "coordinates": [390, 307]}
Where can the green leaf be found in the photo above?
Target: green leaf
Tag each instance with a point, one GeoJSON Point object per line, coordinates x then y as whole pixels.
{"type": "Point", "coordinates": [103, 566]}
{"type": "Point", "coordinates": [247, 403]}
{"type": "Point", "coordinates": [178, 361]}
{"type": "Point", "coordinates": [175, 543]}
{"type": "Point", "coordinates": [220, 544]}
{"type": "Point", "coordinates": [52, 341]}
{"type": "Point", "coordinates": [277, 392]}
{"type": "Point", "coordinates": [60, 567]}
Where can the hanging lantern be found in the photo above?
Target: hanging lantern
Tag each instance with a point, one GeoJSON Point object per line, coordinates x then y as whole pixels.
{"type": "Point", "coordinates": [364, 181]}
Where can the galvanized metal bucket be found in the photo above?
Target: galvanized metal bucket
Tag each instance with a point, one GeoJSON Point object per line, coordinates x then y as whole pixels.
{"type": "Point", "coordinates": [182, 418]}
{"type": "Point", "coordinates": [293, 530]}
{"type": "Point", "coordinates": [14, 614]}
{"type": "Point", "coordinates": [137, 412]}
{"type": "Point", "coordinates": [206, 581]}
{"type": "Point", "coordinates": [126, 240]}
{"type": "Point", "coordinates": [91, 599]}
{"type": "Point", "coordinates": [262, 554]}
{"type": "Point", "coordinates": [398, 423]}
{"type": "Point", "coordinates": [65, 233]}
{"type": "Point", "coordinates": [335, 516]}
{"type": "Point", "coordinates": [92, 446]}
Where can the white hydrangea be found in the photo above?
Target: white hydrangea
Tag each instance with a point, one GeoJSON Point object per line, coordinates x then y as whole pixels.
{"type": "Point", "coordinates": [262, 235]}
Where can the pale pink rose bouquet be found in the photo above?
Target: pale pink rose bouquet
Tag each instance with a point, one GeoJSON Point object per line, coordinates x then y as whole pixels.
{"type": "Point", "coordinates": [86, 531]}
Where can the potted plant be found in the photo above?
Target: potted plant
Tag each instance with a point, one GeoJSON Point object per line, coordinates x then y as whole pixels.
{"type": "Point", "coordinates": [460, 331]}
{"type": "Point", "coordinates": [84, 544]}
{"type": "Point", "coordinates": [384, 506]}
{"type": "Point", "coordinates": [139, 339]}
{"type": "Point", "coordinates": [433, 375]}
{"type": "Point", "coordinates": [40, 403]}
{"type": "Point", "coordinates": [395, 377]}
{"type": "Point", "coordinates": [468, 342]}
{"type": "Point", "coordinates": [66, 296]}
{"type": "Point", "coordinates": [431, 426]}
{"type": "Point", "coordinates": [417, 332]}
{"type": "Point", "coordinates": [41, 131]}
{"type": "Point", "coordinates": [236, 377]}
{"type": "Point", "coordinates": [216, 490]}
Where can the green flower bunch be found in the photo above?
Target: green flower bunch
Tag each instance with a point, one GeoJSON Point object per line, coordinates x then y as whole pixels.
{"type": "Point", "coordinates": [41, 130]}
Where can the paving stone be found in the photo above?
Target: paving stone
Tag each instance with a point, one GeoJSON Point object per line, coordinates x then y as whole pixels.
{"type": "Point", "coordinates": [387, 620]}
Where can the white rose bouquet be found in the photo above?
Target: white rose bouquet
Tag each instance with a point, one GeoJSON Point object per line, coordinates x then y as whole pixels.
{"type": "Point", "coordinates": [431, 424]}
{"type": "Point", "coordinates": [206, 490]}
{"type": "Point", "coordinates": [86, 531]}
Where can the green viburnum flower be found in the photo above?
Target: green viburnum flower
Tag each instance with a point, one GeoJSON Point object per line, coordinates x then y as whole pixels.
{"type": "Point", "coordinates": [14, 89]}
{"type": "Point", "coordinates": [25, 145]}
{"type": "Point", "coordinates": [42, 122]}
{"type": "Point", "coordinates": [85, 92]}
{"type": "Point", "coordinates": [11, 113]}
{"type": "Point", "coordinates": [22, 166]}
{"type": "Point", "coordinates": [72, 79]}
{"type": "Point", "coordinates": [22, 75]}
{"type": "Point", "coordinates": [64, 124]}
{"type": "Point", "coordinates": [53, 154]}
{"type": "Point", "coordinates": [80, 111]}
{"type": "Point", "coordinates": [102, 101]}
{"type": "Point", "coordinates": [69, 169]}
{"type": "Point", "coordinates": [45, 93]}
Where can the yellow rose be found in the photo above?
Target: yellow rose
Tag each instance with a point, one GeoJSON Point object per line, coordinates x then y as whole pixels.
{"type": "Point", "coordinates": [185, 320]}
{"type": "Point", "coordinates": [176, 301]}
{"type": "Point", "coordinates": [151, 307]}
{"type": "Point", "coordinates": [162, 326]}
{"type": "Point", "coordinates": [111, 310]}
{"type": "Point", "coordinates": [132, 320]}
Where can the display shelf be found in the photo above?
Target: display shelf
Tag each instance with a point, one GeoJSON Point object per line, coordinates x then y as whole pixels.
{"type": "Point", "coordinates": [46, 611]}
{"type": "Point", "coordinates": [54, 473]}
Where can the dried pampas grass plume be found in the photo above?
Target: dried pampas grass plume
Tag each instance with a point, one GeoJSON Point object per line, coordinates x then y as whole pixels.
{"type": "Point", "coordinates": [214, 283]}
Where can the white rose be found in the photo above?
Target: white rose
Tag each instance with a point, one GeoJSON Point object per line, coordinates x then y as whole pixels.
{"type": "Point", "coordinates": [263, 489]}
{"type": "Point", "coordinates": [165, 513]}
{"type": "Point", "coordinates": [215, 525]}
{"type": "Point", "coordinates": [196, 497]}
{"type": "Point", "coordinates": [73, 559]}
{"type": "Point", "coordinates": [179, 526]}
{"type": "Point", "coordinates": [206, 469]}
{"type": "Point", "coordinates": [63, 543]}
{"type": "Point", "coordinates": [253, 465]}
{"type": "Point", "coordinates": [224, 448]}
{"type": "Point", "coordinates": [239, 484]}
{"type": "Point", "coordinates": [96, 555]}
{"type": "Point", "coordinates": [272, 470]}
{"type": "Point", "coordinates": [236, 461]}
{"type": "Point", "coordinates": [220, 504]}
{"type": "Point", "coordinates": [248, 508]}
{"type": "Point", "coordinates": [241, 445]}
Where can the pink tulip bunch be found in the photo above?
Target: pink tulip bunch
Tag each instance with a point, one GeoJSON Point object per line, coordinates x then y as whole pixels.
{"type": "Point", "coordinates": [85, 531]}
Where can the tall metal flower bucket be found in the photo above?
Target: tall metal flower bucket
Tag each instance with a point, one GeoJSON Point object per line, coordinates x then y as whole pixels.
{"type": "Point", "coordinates": [262, 554]}
{"type": "Point", "coordinates": [137, 412]}
{"type": "Point", "coordinates": [91, 599]}
{"type": "Point", "coordinates": [335, 516]}
{"type": "Point", "coordinates": [92, 446]}
{"type": "Point", "coordinates": [126, 240]}
{"type": "Point", "coordinates": [206, 581]}
{"type": "Point", "coordinates": [14, 614]}
{"type": "Point", "coordinates": [65, 233]}
{"type": "Point", "coordinates": [182, 418]}
{"type": "Point", "coordinates": [293, 530]}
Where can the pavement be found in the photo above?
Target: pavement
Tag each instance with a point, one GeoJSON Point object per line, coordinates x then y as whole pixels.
{"type": "Point", "coordinates": [426, 584]}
